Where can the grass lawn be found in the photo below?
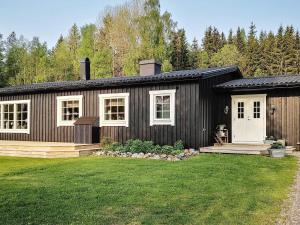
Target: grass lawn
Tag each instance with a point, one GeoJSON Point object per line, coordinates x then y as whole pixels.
{"type": "Point", "coordinates": [208, 189]}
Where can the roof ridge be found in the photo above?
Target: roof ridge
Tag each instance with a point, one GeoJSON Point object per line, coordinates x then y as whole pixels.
{"type": "Point", "coordinates": [273, 76]}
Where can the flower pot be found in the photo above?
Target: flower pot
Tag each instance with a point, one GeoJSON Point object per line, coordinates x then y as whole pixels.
{"type": "Point", "coordinates": [277, 153]}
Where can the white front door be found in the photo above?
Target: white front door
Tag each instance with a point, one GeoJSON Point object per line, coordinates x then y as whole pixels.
{"type": "Point", "coordinates": [248, 118]}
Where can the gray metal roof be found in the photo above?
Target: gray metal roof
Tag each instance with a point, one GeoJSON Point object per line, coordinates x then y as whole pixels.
{"type": "Point", "coordinates": [119, 81]}
{"type": "Point", "coordinates": [269, 82]}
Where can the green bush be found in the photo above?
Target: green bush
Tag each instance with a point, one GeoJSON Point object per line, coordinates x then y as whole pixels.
{"type": "Point", "coordinates": [176, 152]}
{"type": "Point", "coordinates": [135, 146]}
{"type": "Point", "coordinates": [148, 146]}
{"type": "Point", "coordinates": [156, 149]}
{"type": "Point", "coordinates": [113, 146]}
{"type": "Point", "coordinates": [178, 145]}
{"type": "Point", "coordinates": [138, 146]}
{"type": "Point", "coordinates": [105, 141]}
{"type": "Point", "coordinates": [167, 149]}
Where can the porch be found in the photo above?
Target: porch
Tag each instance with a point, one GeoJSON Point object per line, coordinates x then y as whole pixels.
{"type": "Point", "coordinates": [45, 149]}
{"type": "Point", "coordinates": [245, 149]}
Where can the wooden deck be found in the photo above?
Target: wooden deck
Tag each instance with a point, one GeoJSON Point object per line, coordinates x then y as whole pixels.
{"type": "Point", "coordinates": [45, 149]}
{"type": "Point", "coordinates": [245, 149]}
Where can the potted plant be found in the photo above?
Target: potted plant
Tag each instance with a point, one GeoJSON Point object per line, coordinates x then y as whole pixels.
{"type": "Point", "coordinates": [277, 150]}
{"type": "Point", "coordinates": [269, 140]}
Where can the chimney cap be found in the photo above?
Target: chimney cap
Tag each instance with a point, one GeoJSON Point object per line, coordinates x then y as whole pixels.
{"type": "Point", "coordinates": [85, 60]}
{"type": "Point", "coordinates": [149, 61]}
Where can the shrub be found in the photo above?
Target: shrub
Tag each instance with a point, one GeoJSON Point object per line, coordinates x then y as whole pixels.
{"type": "Point", "coordinates": [138, 146]}
{"type": "Point", "coordinates": [105, 141]}
{"type": "Point", "coordinates": [178, 145]}
{"type": "Point", "coordinates": [176, 152]}
{"type": "Point", "coordinates": [156, 149]}
{"type": "Point", "coordinates": [167, 149]}
{"type": "Point", "coordinates": [148, 146]}
{"type": "Point", "coordinates": [134, 146]}
{"type": "Point", "coordinates": [113, 147]}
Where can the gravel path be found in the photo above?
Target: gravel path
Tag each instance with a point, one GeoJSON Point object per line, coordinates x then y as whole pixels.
{"type": "Point", "coordinates": [290, 213]}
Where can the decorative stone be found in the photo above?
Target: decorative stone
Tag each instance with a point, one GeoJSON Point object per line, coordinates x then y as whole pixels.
{"type": "Point", "coordinates": [186, 151]}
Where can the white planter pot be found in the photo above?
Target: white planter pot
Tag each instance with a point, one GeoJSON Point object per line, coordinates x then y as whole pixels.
{"type": "Point", "coordinates": [277, 153]}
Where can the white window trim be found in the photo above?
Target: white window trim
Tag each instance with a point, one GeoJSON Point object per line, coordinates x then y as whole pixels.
{"type": "Point", "coordinates": [113, 123]}
{"type": "Point", "coordinates": [18, 131]}
{"type": "Point", "coordinates": [59, 100]}
{"type": "Point", "coordinates": [153, 120]}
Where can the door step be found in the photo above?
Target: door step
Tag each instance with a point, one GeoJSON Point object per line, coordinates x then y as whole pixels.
{"type": "Point", "coordinates": [244, 149]}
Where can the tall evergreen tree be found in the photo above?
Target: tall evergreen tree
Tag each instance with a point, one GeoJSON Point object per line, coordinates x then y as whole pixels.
{"type": "Point", "coordinates": [2, 64]}
{"type": "Point", "coordinates": [230, 37]}
{"type": "Point", "coordinates": [73, 41]}
{"type": "Point", "coordinates": [297, 40]}
{"type": "Point", "coordinates": [240, 40]}
{"type": "Point", "coordinates": [179, 51]}
{"type": "Point", "coordinates": [289, 51]}
{"type": "Point", "coordinates": [252, 52]}
{"type": "Point", "coordinates": [194, 55]}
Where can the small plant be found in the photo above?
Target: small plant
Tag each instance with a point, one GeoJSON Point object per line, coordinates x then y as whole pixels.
{"type": "Point", "coordinates": [167, 149]}
{"type": "Point", "coordinates": [105, 141]}
{"type": "Point", "coordinates": [176, 152]}
{"type": "Point", "coordinates": [178, 145]}
{"type": "Point", "coordinates": [135, 146]}
{"type": "Point", "coordinates": [113, 146]}
{"type": "Point", "coordinates": [156, 149]}
{"type": "Point", "coordinates": [277, 145]}
{"type": "Point", "coordinates": [148, 146]}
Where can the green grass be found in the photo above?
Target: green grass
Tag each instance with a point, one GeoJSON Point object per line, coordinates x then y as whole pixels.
{"type": "Point", "coordinates": [208, 189]}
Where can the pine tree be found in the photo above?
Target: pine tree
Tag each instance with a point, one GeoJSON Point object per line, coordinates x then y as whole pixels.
{"type": "Point", "coordinates": [230, 37]}
{"type": "Point", "coordinates": [240, 40]}
{"type": "Point", "coordinates": [179, 51]}
{"type": "Point", "coordinates": [297, 48]}
{"type": "Point", "coordinates": [212, 41]}
{"type": "Point", "coordinates": [278, 53]}
{"type": "Point", "coordinates": [289, 51]}
{"type": "Point", "coordinates": [252, 52]}
{"type": "Point", "coordinates": [194, 55]}
{"type": "Point", "coordinates": [73, 41]}
{"type": "Point", "coordinates": [2, 64]}
{"type": "Point", "coordinates": [223, 40]}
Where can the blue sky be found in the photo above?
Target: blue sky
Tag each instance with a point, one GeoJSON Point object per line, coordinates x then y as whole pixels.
{"type": "Point", "coordinates": [49, 19]}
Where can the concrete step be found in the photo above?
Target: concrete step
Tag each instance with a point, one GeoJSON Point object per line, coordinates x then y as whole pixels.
{"type": "Point", "coordinates": [242, 149]}
{"type": "Point", "coordinates": [230, 151]}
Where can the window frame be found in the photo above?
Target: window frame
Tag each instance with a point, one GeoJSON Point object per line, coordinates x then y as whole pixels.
{"type": "Point", "coordinates": [153, 95]}
{"type": "Point", "coordinates": [15, 130]}
{"type": "Point", "coordinates": [59, 101]}
{"type": "Point", "coordinates": [113, 123]}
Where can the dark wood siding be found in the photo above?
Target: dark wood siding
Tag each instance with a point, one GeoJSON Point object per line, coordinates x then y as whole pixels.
{"type": "Point", "coordinates": [194, 115]}
{"type": "Point", "coordinates": [283, 123]}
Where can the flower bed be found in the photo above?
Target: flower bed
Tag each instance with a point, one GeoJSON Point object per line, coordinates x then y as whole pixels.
{"type": "Point", "coordinates": [145, 149]}
{"type": "Point", "coordinates": [187, 153]}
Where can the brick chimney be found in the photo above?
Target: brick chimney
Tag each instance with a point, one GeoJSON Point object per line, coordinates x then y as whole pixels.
{"type": "Point", "coordinates": [85, 69]}
{"type": "Point", "coordinates": [149, 67]}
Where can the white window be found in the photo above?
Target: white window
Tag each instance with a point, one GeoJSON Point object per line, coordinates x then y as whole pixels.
{"type": "Point", "coordinates": [15, 116]}
{"type": "Point", "coordinates": [114, 109]}
{"type": "Point", "coordinates": [162, 107]}
{"type": "Point", "coordinates": [69, 109]}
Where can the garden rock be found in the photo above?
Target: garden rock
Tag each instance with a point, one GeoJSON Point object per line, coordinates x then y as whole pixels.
{"type": "Point", "coordinates": [187, 153]}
